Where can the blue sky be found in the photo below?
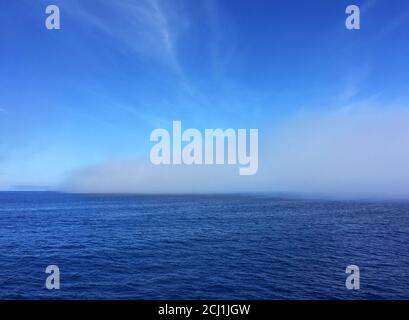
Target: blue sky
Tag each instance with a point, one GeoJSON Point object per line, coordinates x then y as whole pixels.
{"type": "Point", "coordinates": [93, 91]}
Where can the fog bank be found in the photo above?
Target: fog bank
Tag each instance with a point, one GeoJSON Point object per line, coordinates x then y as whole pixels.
{"type": "Point", "coordinates": [352, 153]}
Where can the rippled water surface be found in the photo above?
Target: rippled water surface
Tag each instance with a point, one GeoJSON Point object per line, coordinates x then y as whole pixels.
{"type": "Point", "coordinates": [209, 247]}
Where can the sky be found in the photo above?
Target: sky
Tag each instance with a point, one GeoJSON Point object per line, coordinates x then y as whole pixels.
{"type": "Point", "coordinates": [77, 105]}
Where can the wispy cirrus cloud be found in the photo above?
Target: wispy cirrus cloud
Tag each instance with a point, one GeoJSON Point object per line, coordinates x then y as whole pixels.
{"type": "Point", "coordinates": [149, 28]}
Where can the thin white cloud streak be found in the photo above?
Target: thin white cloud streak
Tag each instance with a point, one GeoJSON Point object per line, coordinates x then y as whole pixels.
{"type": "Point", "coordinates": [146, 30]}
{"type": "Point", "coordinates": [348, 153]}
{"type": "Point", "coordinates": [141, 26]}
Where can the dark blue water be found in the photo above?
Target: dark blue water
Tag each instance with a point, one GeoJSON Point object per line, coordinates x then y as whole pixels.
{"type": "Point", "coordinates": [201, 247]}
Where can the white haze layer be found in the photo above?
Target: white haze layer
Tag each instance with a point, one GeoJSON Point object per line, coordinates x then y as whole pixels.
{"type": "Point", "coordinates": [348, 153]}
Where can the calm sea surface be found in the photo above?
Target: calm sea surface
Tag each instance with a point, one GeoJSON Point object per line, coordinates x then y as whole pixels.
{"type": "Point", "coordinates": [201, 247]}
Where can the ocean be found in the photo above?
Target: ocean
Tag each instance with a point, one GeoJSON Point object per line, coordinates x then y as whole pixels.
{"type": "Point", "coordinates": [254, 246]}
